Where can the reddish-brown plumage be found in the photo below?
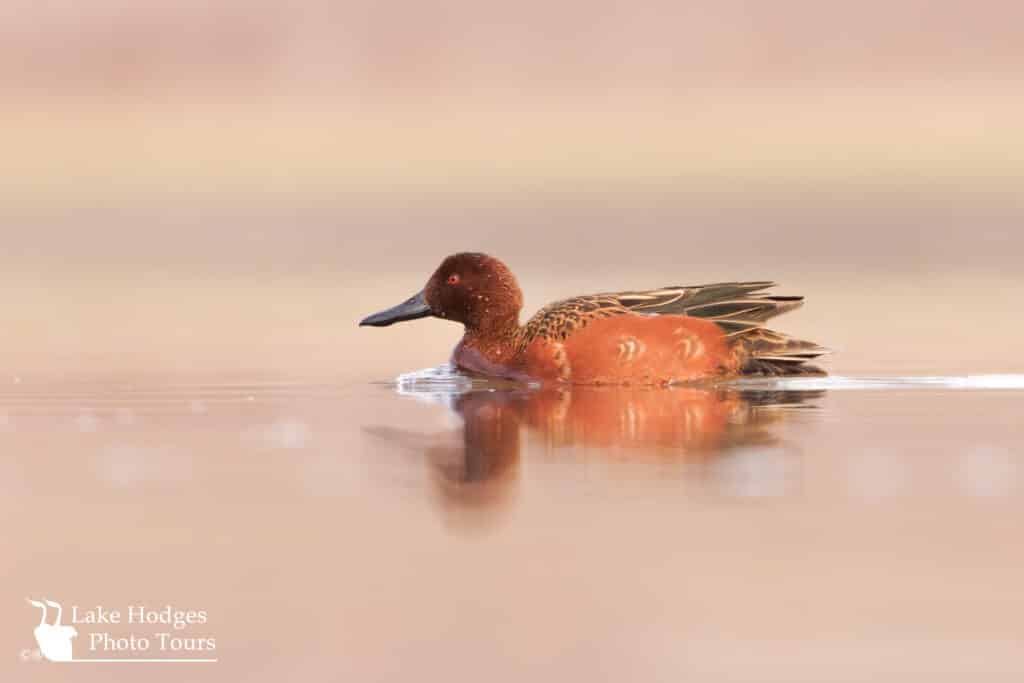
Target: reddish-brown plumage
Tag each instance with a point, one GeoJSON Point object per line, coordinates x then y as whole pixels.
{"type": "Point", "coordinates": [674, 334]}
{"type": "Point", "coordinates": [634, 349]}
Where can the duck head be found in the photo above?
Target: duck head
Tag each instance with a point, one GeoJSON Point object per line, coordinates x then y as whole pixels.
{"type": "Point", "coordinates": [476, 290]}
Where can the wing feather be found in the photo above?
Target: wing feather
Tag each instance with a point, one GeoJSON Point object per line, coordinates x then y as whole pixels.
{"type": "Point", "coordinates": [740, 309]}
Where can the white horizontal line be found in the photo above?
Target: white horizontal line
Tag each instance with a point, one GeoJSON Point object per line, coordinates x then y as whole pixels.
{"type": "Point", "coordinates": [838, 382]}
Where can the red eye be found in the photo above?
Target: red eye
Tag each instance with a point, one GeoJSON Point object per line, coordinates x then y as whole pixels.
{"type": "Point", "coordinates": [453, 279]}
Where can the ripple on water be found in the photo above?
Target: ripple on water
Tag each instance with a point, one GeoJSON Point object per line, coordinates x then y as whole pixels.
{"type": "Point", "coordinates": [446, 380]}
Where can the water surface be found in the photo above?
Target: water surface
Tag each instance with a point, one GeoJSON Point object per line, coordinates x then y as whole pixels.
{"type": "Point", "coordinates": [451, 528]}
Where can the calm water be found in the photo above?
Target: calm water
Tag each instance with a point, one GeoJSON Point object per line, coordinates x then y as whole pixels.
{"type": "Point", "coordinates": [439, 527]}
{"type": "Point", "coordinates": [194, 221]}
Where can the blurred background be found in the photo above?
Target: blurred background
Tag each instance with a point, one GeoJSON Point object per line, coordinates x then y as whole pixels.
{"type": "Point", "coordinates": [199, 199]}
{"type": "Point", "coordinates": [188, 186]}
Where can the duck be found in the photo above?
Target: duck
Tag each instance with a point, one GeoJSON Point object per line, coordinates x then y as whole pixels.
{"type": "Point", "coordinates": [670, 335]}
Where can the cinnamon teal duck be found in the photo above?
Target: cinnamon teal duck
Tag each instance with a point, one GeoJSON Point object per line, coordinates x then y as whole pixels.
{"type": "Point", "coordinates": [658, 336]}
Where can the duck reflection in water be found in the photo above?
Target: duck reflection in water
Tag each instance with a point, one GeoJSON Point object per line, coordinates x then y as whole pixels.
{"type": "Point", "coordinates": [697, 428]}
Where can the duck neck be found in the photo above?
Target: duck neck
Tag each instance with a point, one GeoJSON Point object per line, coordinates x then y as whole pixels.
{"type": "Point", "coordinates": [497, 333]}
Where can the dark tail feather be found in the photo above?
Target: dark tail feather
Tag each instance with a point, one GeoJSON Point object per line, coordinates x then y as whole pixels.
{"type": "Point", "coordinates": [757, 367]}
{"type": "Point", "coordinates": [773, 354]}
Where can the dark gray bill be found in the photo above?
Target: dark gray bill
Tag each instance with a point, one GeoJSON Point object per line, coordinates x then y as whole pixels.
{"type": "Point", "coordinates": [412, 308]}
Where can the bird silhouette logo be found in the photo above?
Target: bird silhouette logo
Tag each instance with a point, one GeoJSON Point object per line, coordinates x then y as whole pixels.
{"type": "Point", "coordinates": [54, 639]}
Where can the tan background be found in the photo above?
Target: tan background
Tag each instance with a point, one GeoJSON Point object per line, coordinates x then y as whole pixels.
{"type": "Point", "coordinates": [208, 186]}
{"type": "Point", "coordinates": [199, 200]}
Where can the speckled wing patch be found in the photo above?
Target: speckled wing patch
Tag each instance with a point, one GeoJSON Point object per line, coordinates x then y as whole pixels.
{"type": "Point", "coordinates": [557, 321]}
